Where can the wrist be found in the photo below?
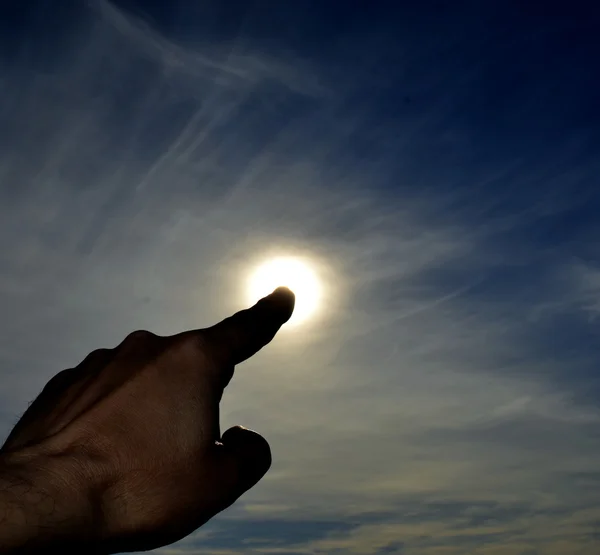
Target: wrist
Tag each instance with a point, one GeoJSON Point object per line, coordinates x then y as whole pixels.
{"type": "Point", "coordinates": [40, 511]}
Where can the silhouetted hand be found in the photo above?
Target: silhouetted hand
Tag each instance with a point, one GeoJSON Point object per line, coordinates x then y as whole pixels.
{"type": "Point", "coordinates": [130, 440]}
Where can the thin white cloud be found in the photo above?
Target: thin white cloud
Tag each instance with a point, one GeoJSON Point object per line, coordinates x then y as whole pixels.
{"type": "Point", "coordinates": [418, 386]}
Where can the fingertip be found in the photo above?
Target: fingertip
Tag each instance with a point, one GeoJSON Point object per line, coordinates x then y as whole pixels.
{"type": "Point", "coordinates": [284, 300]}
{"type": "Point", "coordinates": [251, 450]}
{"type": "Point", "coordinates": [283, 290]}
{"type": "Point", "coordinates": [243, 334]}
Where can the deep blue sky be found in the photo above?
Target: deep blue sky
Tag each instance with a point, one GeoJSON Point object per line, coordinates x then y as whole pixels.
{"type": "Point", "coordinates": [438, 160]}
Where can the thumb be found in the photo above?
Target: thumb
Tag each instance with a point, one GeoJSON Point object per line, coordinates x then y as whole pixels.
{"type": "Point", "coordinates": [244, 458]}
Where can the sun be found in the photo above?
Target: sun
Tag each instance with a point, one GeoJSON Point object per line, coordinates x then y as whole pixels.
{"type": "Point", "coordinates": [295, 273]}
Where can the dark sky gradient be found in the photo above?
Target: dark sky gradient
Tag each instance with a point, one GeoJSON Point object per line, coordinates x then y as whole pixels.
{"type": "Point", "coordinates": [440, 161]}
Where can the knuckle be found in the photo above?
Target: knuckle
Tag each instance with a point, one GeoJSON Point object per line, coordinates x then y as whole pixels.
{"type": "Point", "coordinates": [97, 355]}
{"type": "Point", "coordinates": [192, 343]}
{"type": "Point", "coordinates": [60, 379]}
{"type": "Point", "coordinates": [139, 336]}
{"type": "Point", "coordinates": [220, 342]}
{"type": "Point", "coordinates": [195, 348]}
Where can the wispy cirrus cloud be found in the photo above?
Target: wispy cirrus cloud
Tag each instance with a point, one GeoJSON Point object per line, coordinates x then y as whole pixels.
{"type": "Point", "coordinates": [437, 404]}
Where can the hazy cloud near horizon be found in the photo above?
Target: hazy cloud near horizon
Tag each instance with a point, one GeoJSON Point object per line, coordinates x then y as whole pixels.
{"type": "Point", "coordinates": [446, 399]}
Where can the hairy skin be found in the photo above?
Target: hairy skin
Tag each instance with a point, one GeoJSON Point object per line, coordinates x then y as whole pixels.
{"type": "Point", "coordinates": [124, 452]}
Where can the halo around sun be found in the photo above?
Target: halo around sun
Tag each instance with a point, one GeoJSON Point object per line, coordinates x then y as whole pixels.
{"type": "Point", "coordinates": [293, 272]}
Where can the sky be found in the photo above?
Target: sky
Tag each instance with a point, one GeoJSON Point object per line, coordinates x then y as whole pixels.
{"type": "Point", "coordinates": [438, 164]}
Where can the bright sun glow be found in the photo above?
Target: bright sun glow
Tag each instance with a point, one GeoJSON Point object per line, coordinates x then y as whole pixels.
{"type": "Point", "coordinates": [291, 272]}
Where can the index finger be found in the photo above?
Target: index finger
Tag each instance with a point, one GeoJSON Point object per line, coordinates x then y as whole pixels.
{"type": "Point", "coordinates": [242, 335]}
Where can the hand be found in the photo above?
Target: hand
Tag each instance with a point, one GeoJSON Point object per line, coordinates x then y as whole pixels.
{"type": "Point", "coordinates": [130, 439]}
